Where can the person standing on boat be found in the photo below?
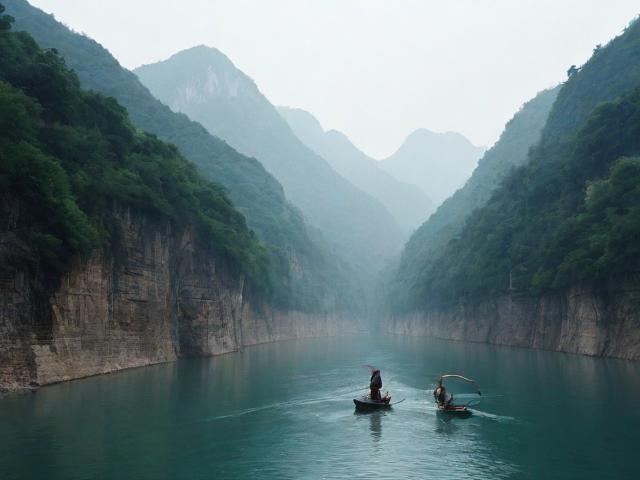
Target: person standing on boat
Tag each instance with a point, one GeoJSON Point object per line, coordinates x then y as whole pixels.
{"type": "Point", "coordinates": [375, 385]}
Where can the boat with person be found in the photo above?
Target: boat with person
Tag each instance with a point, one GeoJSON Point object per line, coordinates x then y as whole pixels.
{"type": "Point", "coordinates": [448, 404]}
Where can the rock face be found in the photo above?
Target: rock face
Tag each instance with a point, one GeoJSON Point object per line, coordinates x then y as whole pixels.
{"type": "Point", "coordinates": [601, 320]}
{"type": "Point", "coordinates": [154, 296]}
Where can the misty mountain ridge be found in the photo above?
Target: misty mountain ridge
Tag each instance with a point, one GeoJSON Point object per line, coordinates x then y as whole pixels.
{"type": "Point", "coordinates": [439, 163]}
{"type": "Point", "coordinates": [205, 85]}
{"type": "Point", "coordinates": [407, 202]}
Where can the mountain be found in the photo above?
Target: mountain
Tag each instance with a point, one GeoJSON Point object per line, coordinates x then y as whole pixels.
{"type": "Point", "coordinates": [204, 84]}
{"type": "Point", "coordinates": [70, 155]}
{"type": "Point", "coordinates": [406, 202]}
{"type": "Point", "coordinates": [439, 163]}
{"type": "Point", "coordinates": [520, 134]}
{"type": "Point", "coordinates": [570, 214]}
{"type": "Point", "coordinates": [115, 251]}
{"type": "Point", "coordinates": [304, 275]}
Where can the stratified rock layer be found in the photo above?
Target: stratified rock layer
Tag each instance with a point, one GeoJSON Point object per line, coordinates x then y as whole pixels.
{"type": "Point", "coordinates": [153, 296]}
{"type": "Point", "coordinates": [599, 320]}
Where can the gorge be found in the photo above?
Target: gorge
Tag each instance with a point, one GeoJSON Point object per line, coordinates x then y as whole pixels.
{"type": "Point", "coordinates": [121, 248]}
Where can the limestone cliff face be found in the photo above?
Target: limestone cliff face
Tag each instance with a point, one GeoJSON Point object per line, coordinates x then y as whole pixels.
{"type": "Point", "coordinates": [602, 320]}
{"type": "Point", "coordinates": [154, 296]}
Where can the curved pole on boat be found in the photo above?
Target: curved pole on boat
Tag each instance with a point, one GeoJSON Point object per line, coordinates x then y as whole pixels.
{"type": "Point", "coordinates": [451, 375]}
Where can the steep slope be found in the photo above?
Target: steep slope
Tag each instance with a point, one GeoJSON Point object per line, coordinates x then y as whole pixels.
{"type": "Point", "coordinates": [536, 218]}
{"type": "Point", "coordinates": [204, 84]}
{"type": "Point", "coordinates": [560, 236]}
{"type": "Point", "coordinates": [304, 276]}
{"type": "Point", "coordinates": [439, 163]}
{"type": "Point", "coordinates": [406, 202]}
{"type": "Point", "coordinates": [115, 251]}
{"type": "Point", "coordinates": [520, 134]}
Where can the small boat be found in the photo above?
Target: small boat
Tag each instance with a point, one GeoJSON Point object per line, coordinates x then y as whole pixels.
{"type": "Point", "coordinates": [445, 404]}
{"type": "Point", "coordinates": [365, 403]}
{"type": "Point", "coordinates": [458, 410]}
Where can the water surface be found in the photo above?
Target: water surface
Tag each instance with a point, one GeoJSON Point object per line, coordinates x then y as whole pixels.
{"type": "Point", "coordinates": [285, 410]}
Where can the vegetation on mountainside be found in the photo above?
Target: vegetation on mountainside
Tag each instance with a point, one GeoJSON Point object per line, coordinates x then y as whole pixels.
{"type": "Point", "coordinates": [303, 276]}
{"type": "Point", "coordinates": [511, 151]}
{"type": "Point", "coordinates": [227, 102]}
{"type": "Point", "coordinates": [549, 228]}
{"type": "Point", "coordinates": [569, 215]}
{"type": "Point", "coordinates": [68, 156]}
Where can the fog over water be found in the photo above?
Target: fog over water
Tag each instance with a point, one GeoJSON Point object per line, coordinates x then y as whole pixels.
{"type": "Point", "coordinates": [371, 69]}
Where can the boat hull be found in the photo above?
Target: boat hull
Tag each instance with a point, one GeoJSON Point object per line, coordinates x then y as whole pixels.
{"type": "Point", "coordinates": [366, 404]}
{"type": "Point", "coordinates": [458, 411]}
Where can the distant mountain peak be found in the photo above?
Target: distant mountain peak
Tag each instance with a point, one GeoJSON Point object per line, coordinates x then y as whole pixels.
{"type": "Point", "coordinates": [310, 124]}
{"type": "Point", "coordinates": [425, 135]}
{"type": "Point", "coordinates": [201, 73]}
{"type": "Point", "coordinates": [410, 205]}
{"type": "Point", "coordinates": [439, 163]}
{"type": "Point", "coordinates": [203, 53]}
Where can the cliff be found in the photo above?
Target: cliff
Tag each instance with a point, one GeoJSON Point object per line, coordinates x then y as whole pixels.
{"type": "Point", "coordinates": [599, 320]}
{"type": "Point", "coordinates": [155, 295]}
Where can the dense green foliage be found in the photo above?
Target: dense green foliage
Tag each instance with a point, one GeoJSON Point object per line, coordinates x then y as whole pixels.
{"type": "Point", "coordinates": [612, 70]}
{"type": "Point", "coordinates": [552, 227]}
{"type": "Point", "coordinates": [429, 241]}
{"type": "Point", "coordinates": [571, 213]}
{"type": "Point", "coordinates": [69, 156]}
{"type": "Point", "coordinates": [302, 275]}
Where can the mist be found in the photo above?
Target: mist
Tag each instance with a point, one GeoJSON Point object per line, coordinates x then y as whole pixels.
{"type": "Point", "coordinates": [374, 70]}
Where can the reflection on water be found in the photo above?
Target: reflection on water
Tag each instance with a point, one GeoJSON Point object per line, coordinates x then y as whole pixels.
{"type": "Point", "coordinates": [375, 422]}
{"type": "Point", "coordinates": [285, 411]}
{"type": "Point", "coordinates": [375, 425]}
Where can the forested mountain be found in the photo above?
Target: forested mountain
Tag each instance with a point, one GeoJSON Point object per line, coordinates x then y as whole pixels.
{"type": "Point", "coordinates": [204, 84]}
{"type": "Point", "coordinates": [510, 151]}
{"type": "Point", "coordinates": [304, 277]}
{"type": "Point", "coordinates": [68, 156]}
{"type": "Point", "coordinates": [571, 214]}
{"type": "Point", "coordinates": [406, 202]}
{"type": "Point", "coordinates": [439, 163]}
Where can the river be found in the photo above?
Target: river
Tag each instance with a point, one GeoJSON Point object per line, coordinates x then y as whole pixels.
{"type": "Point", "coordinates": [285, 410]}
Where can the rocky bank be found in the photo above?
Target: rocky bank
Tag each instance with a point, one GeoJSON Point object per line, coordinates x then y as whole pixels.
{"type": "Point", "coordinates": [153, 296]}
{"type": "Point", "coordinates": [600, 320]}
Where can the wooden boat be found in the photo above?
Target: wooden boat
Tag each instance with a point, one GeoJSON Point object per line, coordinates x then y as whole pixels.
{"type": "Point", "coordinates": [365, 403]}
{"type": "Point", "coordinates": [446, 405]}
{"type": "Point", "coordinates": [457, 410]}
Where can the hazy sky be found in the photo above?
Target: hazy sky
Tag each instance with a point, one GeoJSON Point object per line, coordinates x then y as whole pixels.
{"type": "Point", "coordinates": [376, 70]}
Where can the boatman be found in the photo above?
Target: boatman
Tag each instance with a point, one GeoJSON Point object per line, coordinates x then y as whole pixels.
{"type": "Point", "coordinates": [375, 385]}
{"type": "Point", "coordinates": [440, 394]}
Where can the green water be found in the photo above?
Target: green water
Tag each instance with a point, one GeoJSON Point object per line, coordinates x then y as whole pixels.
{"type": "Point", "coordinates": [285, 411]}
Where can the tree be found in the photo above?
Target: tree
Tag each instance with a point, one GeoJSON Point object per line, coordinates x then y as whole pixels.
{"type": "Point", "coordinates": [5, 20]}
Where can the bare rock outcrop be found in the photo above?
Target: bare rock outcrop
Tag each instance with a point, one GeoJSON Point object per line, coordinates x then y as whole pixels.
{"type": "Point", "coordinates": [598, 320]}
{"type": "Point", "coordinates": [153, 296]}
